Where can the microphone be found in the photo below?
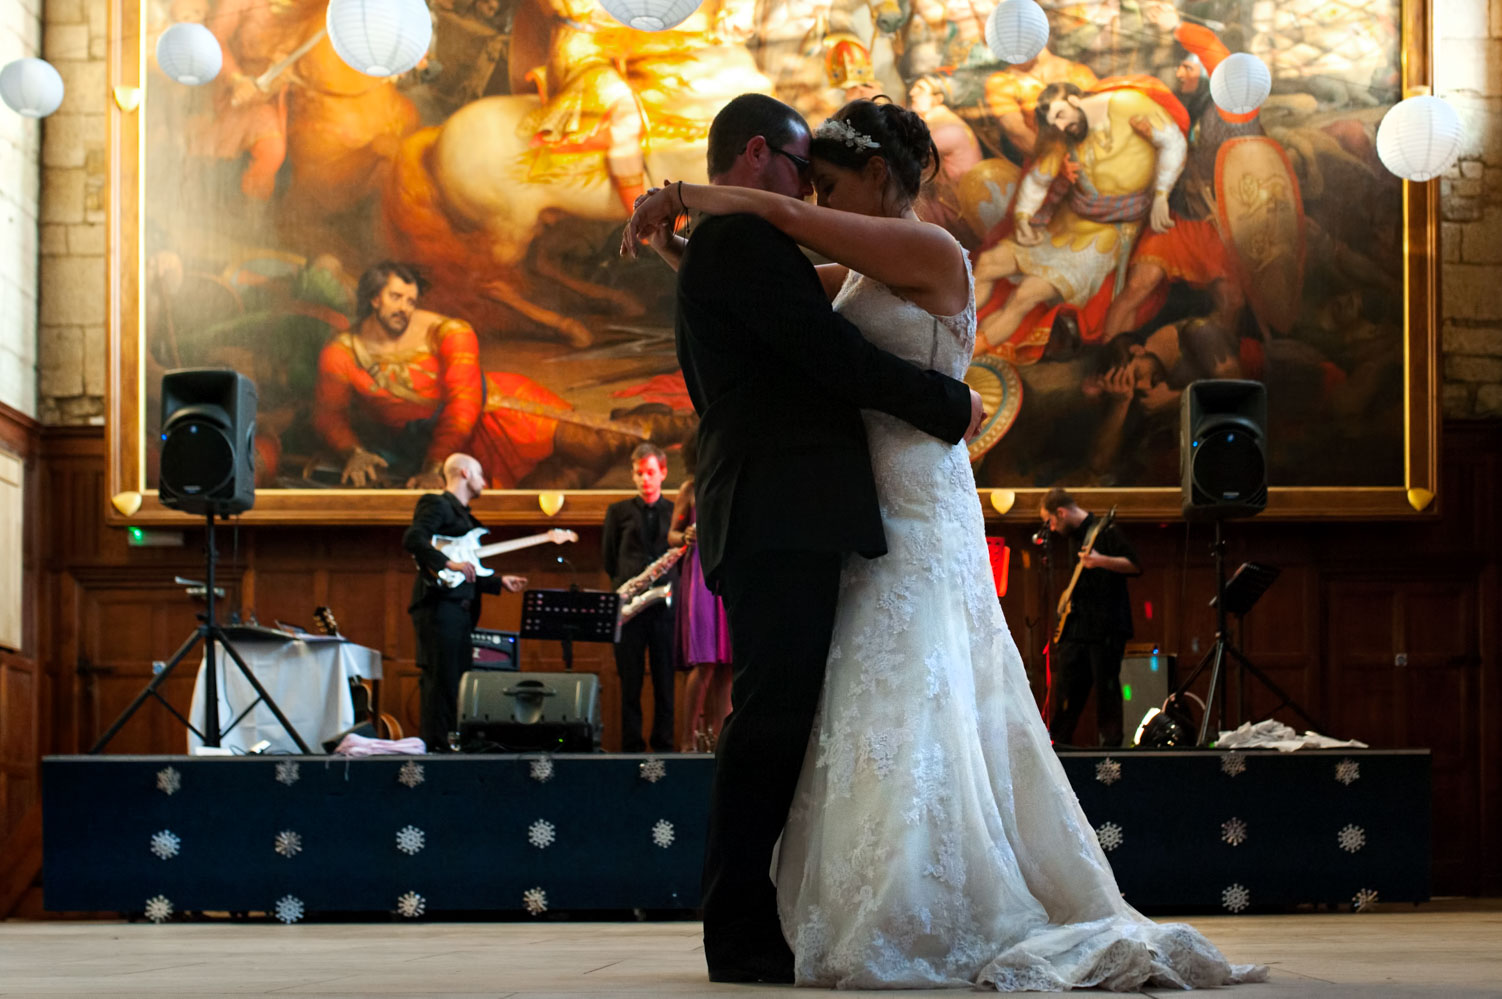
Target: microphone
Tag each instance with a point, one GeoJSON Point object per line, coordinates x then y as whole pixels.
{"type": "Point", "coordinates": [1040, 536]}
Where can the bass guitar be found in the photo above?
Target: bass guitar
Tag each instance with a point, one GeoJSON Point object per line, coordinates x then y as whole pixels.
{"type": "Point", "coordinates": [468, 549]}
{"type": "Point", "coordinates": [1066, 598]}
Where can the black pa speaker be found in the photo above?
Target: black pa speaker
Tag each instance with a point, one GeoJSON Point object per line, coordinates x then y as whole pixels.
{"type": "Point", "coordinates": [526, 712]}
{"type": "Point", "coordinates": [208, 441]}
{"type": "Point", "coordinates": [1222, 448]}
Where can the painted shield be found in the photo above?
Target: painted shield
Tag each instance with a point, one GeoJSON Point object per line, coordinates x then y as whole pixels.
{"type": "Point", "coordinates": [1000, 393]}
{"type": "Point", "coordinates": [1261, 218]}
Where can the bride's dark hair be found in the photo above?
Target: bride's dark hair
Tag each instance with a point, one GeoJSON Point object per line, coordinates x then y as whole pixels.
{"type": "Point", "coordinates": [901, 136]}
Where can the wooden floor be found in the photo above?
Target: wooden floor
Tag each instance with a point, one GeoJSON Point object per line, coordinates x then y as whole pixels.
{"type": "Point", "coordinates": [1437, 950]}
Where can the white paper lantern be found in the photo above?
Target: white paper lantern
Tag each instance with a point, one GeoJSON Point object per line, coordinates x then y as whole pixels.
{"type": "Point", "coordinates": [189, 53]}
{"type": "Point", "coordinates": [380, 37]}
{"type": "Point", "coordinates": [650, 15]}
{"type": "Point", "coordinates": [1240, 83]}
{"type": "Point", "coordinates": [1017, 30]}
{"type": "Point", "coordinates": [31, 87]}
{"type": "Point", "coordinates": [1419, 139]}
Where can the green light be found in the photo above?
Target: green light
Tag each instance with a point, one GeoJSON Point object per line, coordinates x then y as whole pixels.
{"type": "Point", "coordinates": [1126, 691]}
{"type": "Point", "coordinates": [136, 535]}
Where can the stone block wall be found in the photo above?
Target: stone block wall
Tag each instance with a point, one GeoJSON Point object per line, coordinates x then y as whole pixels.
{"type": "Point", "coordinates": [70, 345]}
{"type": "Point", "coordinates": [75, 186]}
{"type": "Point", "coordinates": [20, 202]}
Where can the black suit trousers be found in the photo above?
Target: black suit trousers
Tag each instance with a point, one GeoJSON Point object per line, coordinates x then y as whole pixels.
{"type": "Point", "coordinates": [648, 636]}
{"type": "Point", "coordinates": [1081, 666]}
{"type": "Point", "coordinates": [444, 653]}
{"type": "Point", "coordinates": [780, 607]}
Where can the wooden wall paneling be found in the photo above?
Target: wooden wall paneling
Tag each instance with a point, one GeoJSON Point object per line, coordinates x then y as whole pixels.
{"type": "Point", "coordinates": [21, 694]}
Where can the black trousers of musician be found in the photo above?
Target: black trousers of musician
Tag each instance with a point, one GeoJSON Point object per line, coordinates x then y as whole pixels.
{"type": "Point", "coordinates": [780, 606]}
{"type": "Point", "coordinates": [1081, 667]}
{"type": "Point", "coordinates": [444, 653]}
{"type": "Point", "coordinates": [648, 637]}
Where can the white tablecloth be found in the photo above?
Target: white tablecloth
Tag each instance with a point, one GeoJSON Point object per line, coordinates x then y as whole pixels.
{"type": "Point", "coordinates": [307, 678]}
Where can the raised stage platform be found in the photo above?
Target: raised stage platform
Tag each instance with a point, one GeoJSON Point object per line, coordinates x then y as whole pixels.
{"type": "Point", "coordinates": [1185, 830]}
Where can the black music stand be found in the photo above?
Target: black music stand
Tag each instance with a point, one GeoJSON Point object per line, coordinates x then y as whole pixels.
{"type": "Point", "coordinates": [571, 615]}
{"type": "Point", "coordinates": [1234, 596]}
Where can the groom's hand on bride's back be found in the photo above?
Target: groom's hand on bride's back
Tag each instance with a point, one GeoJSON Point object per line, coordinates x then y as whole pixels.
{"type": "Point", "coordinates": [977, 416]}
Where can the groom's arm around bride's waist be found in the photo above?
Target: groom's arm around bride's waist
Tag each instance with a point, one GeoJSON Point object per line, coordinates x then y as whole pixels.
{"type": "Point", "coordinates": [745, 281]}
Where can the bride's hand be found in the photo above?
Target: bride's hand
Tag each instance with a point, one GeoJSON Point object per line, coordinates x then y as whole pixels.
{"type": "Point", "coordinates": [654, 210]}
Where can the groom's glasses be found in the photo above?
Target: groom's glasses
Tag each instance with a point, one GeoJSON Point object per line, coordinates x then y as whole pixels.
{"type": "Point", "coordinates": [803, 165]}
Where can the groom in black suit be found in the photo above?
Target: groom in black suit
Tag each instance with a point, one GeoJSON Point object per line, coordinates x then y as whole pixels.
{"type": "Point", "coordinates": [778, 379]}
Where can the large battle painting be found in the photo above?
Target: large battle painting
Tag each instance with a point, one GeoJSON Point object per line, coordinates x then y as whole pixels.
{"type": "Point", "coordinates": [496, 176]}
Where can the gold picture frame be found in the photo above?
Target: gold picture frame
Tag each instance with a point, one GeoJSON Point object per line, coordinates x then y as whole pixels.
{"type": "Point", "coordinates": [126, 425]}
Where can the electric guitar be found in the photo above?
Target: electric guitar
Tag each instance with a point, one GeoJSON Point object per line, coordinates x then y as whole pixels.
{"type": "Point", "coordinates": [1068, 594]}
{"type": "Point", "coordinates": [468, 549]}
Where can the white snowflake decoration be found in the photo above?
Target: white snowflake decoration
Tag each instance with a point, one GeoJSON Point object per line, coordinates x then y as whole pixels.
{"type": "Point", "coordinates": [1108, 771]}
{"type": "Point", "coordinates": [1233, 764]}
{"type": "Point", "coordinates": [411, 905]}
{"type": "Point", "coordinates": [410, 839]}
{"type": "Point", "coordinates": [1351, 838]}
{"type": "Point", "coordinates": [653, 770]}
{"type": "Point", "coordinates": [662, 833]}
{"type": "Point", "coordinates": [541, 770]}
{"type": "Point", "coordinates": [287, 772]}
{"type": "Point", "coordinates": [1235, 897]}
{"type": "Point", "coordinates": [411, 774]}
{"type": "Point", "coordinates": [158, 909]}
{"type": "Point", "coordinates": [165, 844]}
{"type": "Point", "coordinates": [535, 901]}
{"type": "Point", "coordinates": [1364, 900]}
{"type": "Point", "coordinates": [169, 781]}
{"type": "Point", "coordinates": [541, 834]}
{"type": "Point", "coordinates": [288, 843]}
{"type": "Point", "coordinates": [1233, 831]}
{"type": "Point", "coordinates": [289, 909]}
{"type": "Point", "coordinates": [1109, 836]}
{"type": "Point", "coordinates": [1348, 772]}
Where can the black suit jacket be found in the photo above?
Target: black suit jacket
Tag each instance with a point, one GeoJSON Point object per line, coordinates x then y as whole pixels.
{"type": "Point", "coordinates": [442, 513]}
{"type": "Point", "coordinates": [778, 380]}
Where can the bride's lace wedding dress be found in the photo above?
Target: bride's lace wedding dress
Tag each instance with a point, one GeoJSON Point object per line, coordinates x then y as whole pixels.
{"type": "Point", "coordinates": [934, 839]}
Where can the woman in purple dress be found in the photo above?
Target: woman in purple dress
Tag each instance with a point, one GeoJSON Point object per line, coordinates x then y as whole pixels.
{"type": "Point", "coordinates": [703, 639]}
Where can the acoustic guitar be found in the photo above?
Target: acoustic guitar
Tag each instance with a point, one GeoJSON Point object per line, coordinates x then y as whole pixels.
{"type": "Point", "coordinates": [1066, 598]}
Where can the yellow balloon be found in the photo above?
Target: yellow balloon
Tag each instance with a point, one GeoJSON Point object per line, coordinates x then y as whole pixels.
{"type": "Point", "coordinates": [1420, 499]}
{"type": "Point", "coordinates": [551, 503]}
{"type": "Point", "coordinates": [1003, 499]}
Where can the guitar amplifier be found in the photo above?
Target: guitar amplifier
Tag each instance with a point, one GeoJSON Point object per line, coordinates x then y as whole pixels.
{"type": "Point", "coordinates": [495, 649]}
{"type": "Point", "coordinates": [515, 712]}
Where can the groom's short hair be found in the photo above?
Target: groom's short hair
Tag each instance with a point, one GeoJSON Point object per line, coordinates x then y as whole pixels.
{"type": "Point", "coordinates": [744, 118]}
{"type": "Point", "coordinates": [1057, 497]}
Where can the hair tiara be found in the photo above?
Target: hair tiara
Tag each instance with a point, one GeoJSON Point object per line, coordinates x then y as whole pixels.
{"type": "Point", "coordinates": [840, 131]}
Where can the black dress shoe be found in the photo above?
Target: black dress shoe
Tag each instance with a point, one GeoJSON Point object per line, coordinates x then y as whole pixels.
{"type": "Point", "coordinates": [769, 974]}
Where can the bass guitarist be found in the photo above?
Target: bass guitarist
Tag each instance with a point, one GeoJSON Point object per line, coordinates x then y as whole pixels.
{"type": "Point", "coordinates": [445, 616]}
{"type": "Point", "coordinates": [1097, 620]}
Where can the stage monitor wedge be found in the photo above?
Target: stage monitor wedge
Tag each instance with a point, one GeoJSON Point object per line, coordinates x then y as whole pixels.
{"type": "Point", "coordinates": [208, 441]}
{"type": "Point", "coordinates": [1223, 449]}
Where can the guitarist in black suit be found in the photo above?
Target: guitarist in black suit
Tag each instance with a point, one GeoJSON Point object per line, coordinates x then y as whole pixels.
{"type": "Point", "coordinates": [1088, 653]}
{"type": "Point", "coordinates": [778, 380]}
{"type": "Point", "coordinates": [444, 617]}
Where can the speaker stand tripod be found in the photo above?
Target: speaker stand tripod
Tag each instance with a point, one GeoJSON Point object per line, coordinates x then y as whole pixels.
{"type": "Point", "coordinates": [1217, 656]}
{"type": "Point", "coordinates": [211, 635]}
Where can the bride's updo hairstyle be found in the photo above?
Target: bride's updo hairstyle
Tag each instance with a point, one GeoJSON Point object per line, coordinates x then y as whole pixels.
{"type": "Point", "coordinates": [874, 128]}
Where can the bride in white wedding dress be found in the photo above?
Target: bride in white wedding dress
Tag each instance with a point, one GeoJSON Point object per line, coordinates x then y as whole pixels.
{"type": "Point", "coordinates": [934, 840]}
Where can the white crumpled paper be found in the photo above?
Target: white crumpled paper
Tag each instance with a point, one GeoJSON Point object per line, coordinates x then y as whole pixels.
{"type": "Point", "coordinates": [1275, 735]}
